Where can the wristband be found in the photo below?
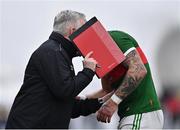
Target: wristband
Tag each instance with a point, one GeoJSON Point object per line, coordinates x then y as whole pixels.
{"type": "Point", "coordinates": [116, 99]}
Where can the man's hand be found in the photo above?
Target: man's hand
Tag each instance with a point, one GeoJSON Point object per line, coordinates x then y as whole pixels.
{"type": "Point", "coordinates": [90, 63]}
{"type": "Point", "coordinates": [106, 111]}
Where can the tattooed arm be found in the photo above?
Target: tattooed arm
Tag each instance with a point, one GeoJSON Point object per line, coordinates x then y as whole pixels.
{"type": "Point", "coordinates": [136, 72]}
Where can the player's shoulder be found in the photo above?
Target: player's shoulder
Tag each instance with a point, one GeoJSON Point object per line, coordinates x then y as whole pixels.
{"type": "Point", "coordinates": [117, 33]}
{"type": "Point", "coordinates": [121, 36]}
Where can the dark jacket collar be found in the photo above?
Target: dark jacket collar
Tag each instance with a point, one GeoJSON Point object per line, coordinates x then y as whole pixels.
{"type": "Point", "coordinates": [66, 44]}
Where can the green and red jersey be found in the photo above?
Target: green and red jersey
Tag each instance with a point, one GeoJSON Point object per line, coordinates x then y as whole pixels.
{"type": "Point", "coordinates": [143, 98]}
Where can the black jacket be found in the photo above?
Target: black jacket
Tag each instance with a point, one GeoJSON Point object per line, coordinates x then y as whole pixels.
{"type": "Point", "coordinates": [47, 96]}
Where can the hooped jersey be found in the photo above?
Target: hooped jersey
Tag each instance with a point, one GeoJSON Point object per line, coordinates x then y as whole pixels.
{"type": "Point", "coordinates": [143, 98]}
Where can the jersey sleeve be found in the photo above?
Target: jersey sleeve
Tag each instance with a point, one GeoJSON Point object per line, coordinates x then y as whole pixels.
{"type": "Point", "coordinates": [124, 41]}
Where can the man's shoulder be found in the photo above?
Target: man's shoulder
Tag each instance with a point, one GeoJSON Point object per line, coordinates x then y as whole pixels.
{"type": "Point", "coordinates": [49, 46]}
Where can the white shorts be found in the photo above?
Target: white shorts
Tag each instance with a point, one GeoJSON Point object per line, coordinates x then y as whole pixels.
{"type": "Point", "coordinates": [149, 120]}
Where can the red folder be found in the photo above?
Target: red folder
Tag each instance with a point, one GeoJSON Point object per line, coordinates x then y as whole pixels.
{"type": "Point", "coordinates": [92, 36]}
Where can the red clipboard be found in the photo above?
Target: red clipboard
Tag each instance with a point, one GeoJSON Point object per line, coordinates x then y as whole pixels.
{"type": "Point", "coordinates": [92, 36]}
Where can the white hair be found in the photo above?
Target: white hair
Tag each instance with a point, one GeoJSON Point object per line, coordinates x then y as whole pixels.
{"type": "Point", "coordinates": [65, 19]}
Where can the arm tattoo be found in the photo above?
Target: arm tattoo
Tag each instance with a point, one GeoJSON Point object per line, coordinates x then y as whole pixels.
{"type": "Point", "coordinates": [136, 72]}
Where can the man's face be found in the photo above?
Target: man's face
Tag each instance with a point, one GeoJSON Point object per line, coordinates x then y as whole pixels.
{"type": "Point", "coordinates": [75, 27]}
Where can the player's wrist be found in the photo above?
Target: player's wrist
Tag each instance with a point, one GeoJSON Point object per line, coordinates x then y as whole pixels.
{"type": "Point", "coordinates": [116, 99]}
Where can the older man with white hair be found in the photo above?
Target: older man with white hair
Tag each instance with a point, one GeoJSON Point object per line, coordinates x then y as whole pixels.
{"type": "Point", "coordinates": [47, 98]}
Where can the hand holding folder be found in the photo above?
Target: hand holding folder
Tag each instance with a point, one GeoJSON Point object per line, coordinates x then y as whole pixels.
{"type": "Point", "coordinates": [89, 62]}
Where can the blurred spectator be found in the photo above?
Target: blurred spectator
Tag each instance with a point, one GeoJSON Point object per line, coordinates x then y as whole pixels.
{"type": "Point", "coordinates": [168, 65]}
{"type": "Point", "coordinates": [171, 105]}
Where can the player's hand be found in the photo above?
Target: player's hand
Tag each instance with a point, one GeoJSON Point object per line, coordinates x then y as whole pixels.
{"type": "Point", "coordinates": [106, 111]}
{"type": "Point", "coordinates": [90, 63]}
